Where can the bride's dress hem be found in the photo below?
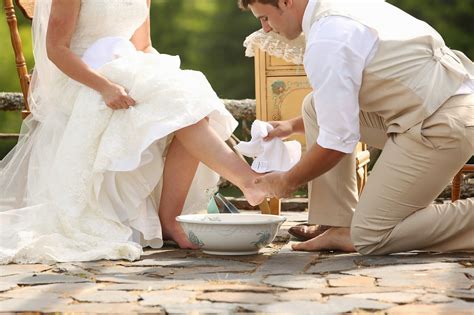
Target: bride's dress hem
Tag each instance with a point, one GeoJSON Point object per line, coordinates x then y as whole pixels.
{"type": "Point", "coordinates": [95, 174]}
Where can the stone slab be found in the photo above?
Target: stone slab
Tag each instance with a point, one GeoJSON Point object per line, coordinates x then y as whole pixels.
{"type": "Point", "coordinates": [57, 289]}
{"type": "Point", "coordinates": [189, 262]}
{"type": "Point", "coordinates": [105, 297]}
{"type": "Point", "coordinates": [205, 308]}
{"type": "Point", "coordinates": [25, 294]}
{"type": "Point", "coordinates": [34, 304]}
{"type": "Point", "coordinates": [157, 298]}
{"type": "Point", "coordinates": [355, 290]}
{"type": "Point", "coordinates": [237, 297]}
{"type": "Point", "coordinates": [126, 278]}
{"type": "Point", "coordinates": [333, 264]}
{"type": "Point", "coordinates": [300, 295]}
{"type": "Point", "coordinates": [51, 278]}
{"type": "Point", "coordinates": [296, 281]}
{"type": "Point", "coordinates": [231, 287]}
{"type": "Point", "coordinates": [350, 281]}
{"type": "Point", "coordinates": [286, 261]}
{"type": "Point", "coordinates": [390, 297]}
{"type": "Point", "coordinates": [230, 268]}
{"type": "Point", "coordinates": [7, 287]}
{"type": "Point", "coordinates": [293, 307]}
{"type": "Point", "coordinates": [121, 270]}
{"type": "Point", "coordinates": [467, 294]}
{"type": "Point", "coordinates": [112, 308]}
{"type": "Point", "coordinates": [332, 306]}
{"type": "Point", "coordinates": [345, 304]}
{"type": "Point", "coordinates": [436, 279]}
{"type": "Point", "coordinates": [435, 298]}
{"type": "Point", "coordinates": [221, 276]}
{"type": "Point", "coordinates": [379, 272]}
{"type": "Point", "coordinates": [433, 275]}
{"type": "Point", "coordinates": [8, 270]}
{"type": "Point", "coordinates": [410, 258]}
{"type": "Point", "coordinates": [458, 308]}
{"type": "Point", "coordinates": [159, 284]}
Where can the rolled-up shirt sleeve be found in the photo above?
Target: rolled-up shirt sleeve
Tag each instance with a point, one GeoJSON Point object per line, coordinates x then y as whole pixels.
{"type": "Point", "coordinates": [337, 52]}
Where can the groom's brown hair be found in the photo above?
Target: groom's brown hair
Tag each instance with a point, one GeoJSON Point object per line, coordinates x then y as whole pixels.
{"type": "Point", "coordinates": [244, 4]}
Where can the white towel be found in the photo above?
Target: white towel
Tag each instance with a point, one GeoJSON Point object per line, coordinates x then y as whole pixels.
{"type": "Point", "coordinates": [273, 155]}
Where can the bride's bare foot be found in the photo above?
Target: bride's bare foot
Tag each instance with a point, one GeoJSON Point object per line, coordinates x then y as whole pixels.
{"type": "Point", "coordinates": [254, 194]}
{"type": "Point", "coordinates": [174, 232]}
{"type": "Point", "coordinates": [336, 238]}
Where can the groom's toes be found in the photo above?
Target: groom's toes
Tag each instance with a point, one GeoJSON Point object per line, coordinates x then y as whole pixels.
{"type": "Point", "coordinates": [298, 247]}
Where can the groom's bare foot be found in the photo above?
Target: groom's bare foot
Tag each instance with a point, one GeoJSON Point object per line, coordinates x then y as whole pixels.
{"type": "Point", "coordinates": [174, 232]}
{"type": "Point", "coordinates": [335, 238]}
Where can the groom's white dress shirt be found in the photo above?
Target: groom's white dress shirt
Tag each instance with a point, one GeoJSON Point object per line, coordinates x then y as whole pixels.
{"type": "Point", "coordinates": [337, 52]}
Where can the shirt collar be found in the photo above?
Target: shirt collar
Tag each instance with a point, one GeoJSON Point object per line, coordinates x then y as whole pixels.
{"type": "Point", "coordinates": [308, 16]}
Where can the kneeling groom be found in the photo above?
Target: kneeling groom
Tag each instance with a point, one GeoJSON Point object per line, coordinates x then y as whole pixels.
{"type": "Point", "coordinates": [382, 77]}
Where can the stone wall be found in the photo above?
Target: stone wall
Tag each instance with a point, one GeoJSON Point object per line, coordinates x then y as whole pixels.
{"type": "Point", "coordinates": [240, 109]}
{"type": "Point", "coordinates": [11, 101]}
{"type": "Point", "coordinates": [244, 111]}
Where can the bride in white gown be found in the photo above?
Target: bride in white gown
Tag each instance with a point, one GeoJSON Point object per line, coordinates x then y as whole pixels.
{"type": "Point", "coordinates": [111, 152]}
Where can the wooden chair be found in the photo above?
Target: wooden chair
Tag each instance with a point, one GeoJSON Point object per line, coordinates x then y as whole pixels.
{"type": "Point", "coordinates": [456, 187]}
{"type": "Point", "coordinates": [27, 8]}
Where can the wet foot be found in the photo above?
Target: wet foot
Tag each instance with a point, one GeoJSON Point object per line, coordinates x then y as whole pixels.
{"type": "Point", "coordinates": [335, 238]}
{"type": "Point", "coordinates": [174, 232]}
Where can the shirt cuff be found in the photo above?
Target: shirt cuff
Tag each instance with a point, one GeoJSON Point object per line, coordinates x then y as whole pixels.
{"type": "Point", "coordinates": [330, 141]}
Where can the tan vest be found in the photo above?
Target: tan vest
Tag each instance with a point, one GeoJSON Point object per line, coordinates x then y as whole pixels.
{"type": "Point", "coordinates": [413, 72]}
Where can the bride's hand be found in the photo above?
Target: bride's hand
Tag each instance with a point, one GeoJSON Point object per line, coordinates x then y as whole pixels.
{"type": "Point", "coordinates": [116, 97]}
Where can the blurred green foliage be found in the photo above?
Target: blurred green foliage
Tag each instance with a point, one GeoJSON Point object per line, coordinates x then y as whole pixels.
{"type": "Point", "coordinates": [208, 35]}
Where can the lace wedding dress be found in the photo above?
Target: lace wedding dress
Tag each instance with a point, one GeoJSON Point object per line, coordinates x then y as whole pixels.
{"type": "Point", "coordinates": [84, 181]}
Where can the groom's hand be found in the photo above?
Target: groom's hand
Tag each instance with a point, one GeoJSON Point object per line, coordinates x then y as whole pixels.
{"type": "Point", "coordinates": [282, 130]}
{"type": "Point", "coordinates": [276, 184]}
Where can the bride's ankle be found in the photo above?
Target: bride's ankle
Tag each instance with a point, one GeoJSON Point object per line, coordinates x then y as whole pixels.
{"type": "Point", "coordinates": [253, 194]}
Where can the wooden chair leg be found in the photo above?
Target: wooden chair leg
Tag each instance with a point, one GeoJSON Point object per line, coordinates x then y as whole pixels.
{"type": "Point", "coordinates": [265, 207]}
{"type": "Point", "coordinates": [275, 206]}
{"type": "Point", "coordinates": [456, 187]}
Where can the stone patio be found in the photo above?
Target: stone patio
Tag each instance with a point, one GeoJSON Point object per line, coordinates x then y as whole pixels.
{"type": "Point", "coordinates": [175, 281]}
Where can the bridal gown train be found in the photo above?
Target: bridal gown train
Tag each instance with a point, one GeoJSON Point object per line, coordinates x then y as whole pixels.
{"type": "Point", "coordinates": [84, 181]}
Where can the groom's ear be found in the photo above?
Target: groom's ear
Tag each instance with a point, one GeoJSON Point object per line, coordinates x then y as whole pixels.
{"type": "Point", "coordinates": [286, 4]}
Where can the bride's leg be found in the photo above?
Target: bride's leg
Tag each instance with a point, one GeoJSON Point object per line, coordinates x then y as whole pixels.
{"type": "Point", "coordinates": [178, 173]}
{"type": "Point", "coordinates": [201, 141]}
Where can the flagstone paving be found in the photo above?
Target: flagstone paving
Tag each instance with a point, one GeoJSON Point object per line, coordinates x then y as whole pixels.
{"type": "Point", "coordinates": [174, 281]}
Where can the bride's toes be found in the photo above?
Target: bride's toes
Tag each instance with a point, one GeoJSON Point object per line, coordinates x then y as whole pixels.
{"type": "Point", "coordinates": [184, 243]}
{"type": "Point", "coordinates": [178, 236]}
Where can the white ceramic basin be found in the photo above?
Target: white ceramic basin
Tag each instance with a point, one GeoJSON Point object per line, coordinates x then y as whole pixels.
{"type": "Point", "coordinates": [231, 234]}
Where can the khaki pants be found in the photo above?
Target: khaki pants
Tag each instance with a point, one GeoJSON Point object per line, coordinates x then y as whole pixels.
{"type": "Point", "coordinates": [395, 211]}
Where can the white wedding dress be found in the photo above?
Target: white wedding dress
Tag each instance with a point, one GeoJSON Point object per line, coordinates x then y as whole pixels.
{"type": "Point", "coordinates": [83, 183]}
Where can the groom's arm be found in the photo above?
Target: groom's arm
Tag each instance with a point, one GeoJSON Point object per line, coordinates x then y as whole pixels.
{"type": "Point", "coordinates": [314, 163]}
